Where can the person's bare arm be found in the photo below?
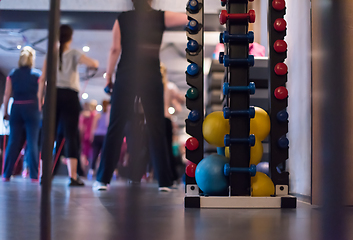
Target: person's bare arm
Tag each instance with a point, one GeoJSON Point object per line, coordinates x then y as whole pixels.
{"type": "Point", "coordinates": [173, 19]}
{"type": "Point", "coordinates": [89, 62]}
{"type": "Point", "coordinates": [176, 98]}
{"type": "Point", "coordinates": [41, 84]}
{"type": "Point", "coordinates": [7, 95]}
{"type": "Point", "coordinates": [114, 52]}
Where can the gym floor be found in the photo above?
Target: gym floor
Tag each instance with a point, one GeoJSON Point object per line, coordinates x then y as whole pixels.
{"type": "Point", "coordinates": [140, 212]}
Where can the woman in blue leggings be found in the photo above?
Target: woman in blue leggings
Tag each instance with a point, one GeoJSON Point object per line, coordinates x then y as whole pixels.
{"type": "Point", "coordinates": [23, 83]}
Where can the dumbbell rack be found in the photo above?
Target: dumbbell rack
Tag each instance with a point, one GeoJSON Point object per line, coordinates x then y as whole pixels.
{"type": "Point", "coordinates": [237, 61]}
{"type": "Point", "coordinates": [278, 103]}
{"type": "Point", "coordinates": [194, 96]}
{"type": "Point", "coordinates": [238, 76]}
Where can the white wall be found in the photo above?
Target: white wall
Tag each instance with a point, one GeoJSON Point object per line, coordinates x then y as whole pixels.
{"type": "Point", "coordinates": [299, 87]}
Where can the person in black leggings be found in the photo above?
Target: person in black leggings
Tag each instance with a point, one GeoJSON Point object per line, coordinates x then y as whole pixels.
{"type": "Point", "coordinates": [67, 104]}
{"type": "Point", "coordinates": [137, 36]}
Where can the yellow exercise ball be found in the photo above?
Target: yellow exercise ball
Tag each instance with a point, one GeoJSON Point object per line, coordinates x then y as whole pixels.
{"type": "Point", "coordinates": [226, 151]}
{"type": "Point", "coordinates": [256, 152]}
{"type": "Point", "coordinates": [260, 125]}
{"type": "Point", "coordinates": [262, 185]}
{"type": "Point", "coordinates": [214, 128]}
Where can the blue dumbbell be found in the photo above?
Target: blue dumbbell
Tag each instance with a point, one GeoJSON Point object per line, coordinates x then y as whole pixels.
{"type": "Point", "coordinates": [192, 45]}
{"type": "Point", "coordinates": [227, 169]}
{"type": "Point", "coordinates": [226, 61]}
{"type": "Point", "coordinates": [250, 112]}
{"type": "Point", "coordinates": [109, 88]}
{"type": "Point", "coordinates": [193, 6]}
{"type": "Point", "coordinates": [236, 38]}
{"type": "Point", "coordinates": [282, 116]}
{"type": "Point", "coordinates": [193, 69]}
{"type": "Point", "coordinates": [194, 116]}
{"type": "Point", "coordinates": [227, 89]}
{"type": "Point", "coordinates": [193, 25]}
{"type": "Point", "coordinates": [250, 140]}
{"type": "Point", "coordinates": [283, 142]}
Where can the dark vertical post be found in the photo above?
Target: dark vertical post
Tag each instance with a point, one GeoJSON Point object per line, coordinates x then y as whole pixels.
{"type": "Point", "coordinates": [333, 116]}
{"type": "Point", "coordinates": [49, 120]}
{"type": "Point", "coordinates": [239, 125]}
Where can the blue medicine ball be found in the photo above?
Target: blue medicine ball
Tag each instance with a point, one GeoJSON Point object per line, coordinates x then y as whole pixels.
{"type": "Point", "coordinates": [210, 177]}
{"type": "Point", "coordinates": [263, 167]}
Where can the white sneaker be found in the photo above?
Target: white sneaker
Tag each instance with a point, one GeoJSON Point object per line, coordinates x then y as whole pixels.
{"type": "Point", "coordinates": [99, 186]}
{"type": "Point", "coordinates": [165, 189]}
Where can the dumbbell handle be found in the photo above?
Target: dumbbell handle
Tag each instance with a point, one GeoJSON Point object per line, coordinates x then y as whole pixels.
{"type": "Point", "coordinates": [227, 89]}
{"type": "Point", "coordinates": [224, 2]}
{"type": "Point", "coordinates": [250, 140]}
{"type": "Point", "coordinates": [224, 16]}
{"type": "Point", "coordinates": [225, 37]}
{"type": "Point", "coordinates": [227, 169]}
{"type": "Point", "coordinates": [226, 61]}
{"type": "Point", "coordinates": [227, 112]}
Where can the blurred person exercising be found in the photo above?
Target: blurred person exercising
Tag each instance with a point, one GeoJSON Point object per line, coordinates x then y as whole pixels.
{"type": "Point", "coordinates": [86, 129]}
{"type": "Point", "coordinates": [24, 83]}
{"type": "Point", "coordinates": [99, 130]}
{"type": "Point", "coordinates": [172, 99]}
{"type": "Point", "coordinates": [68, 106]}
{"type": "Point", "coordinates": [137, 36]}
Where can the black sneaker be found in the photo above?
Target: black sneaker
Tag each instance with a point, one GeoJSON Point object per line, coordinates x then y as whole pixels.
{"type": "Point", "coordinates": [76, 183]}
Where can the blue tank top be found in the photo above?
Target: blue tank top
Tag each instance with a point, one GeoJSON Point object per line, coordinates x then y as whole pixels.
{"type": "Point", "coordinates": [102, 125]}
{"type": "Point", "coordinates": [25, 83]}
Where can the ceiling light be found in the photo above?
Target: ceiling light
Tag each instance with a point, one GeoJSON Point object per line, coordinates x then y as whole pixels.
{"type": "Point", "coordinates": [99, 108]}
{"type": "Point", "coordinates": [84, 95]}
{"type": "Point", "coordinates": [86, 49]}
{"type": "Point", "coordinates": [171, 110]}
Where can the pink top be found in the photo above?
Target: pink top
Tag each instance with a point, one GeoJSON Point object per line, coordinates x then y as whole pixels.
{"type": "Point", "coordinates": [86, 123]}
{"type": "Point", "coordinates": [256, 49]}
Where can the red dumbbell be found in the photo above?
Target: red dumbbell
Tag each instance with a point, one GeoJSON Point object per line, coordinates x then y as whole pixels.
{"type": "Point", "coordinates": [190, 170]}
{"type": "Point", "coordinates": [224, 16]}
{"type": "Point", "coordinates": [280, 46]}
{"type": "Point", "coordinates": [280, 24]}
{"type": "Point", "coordinates": [192, 144]}
{"type": "Point", "coordinates": [281, 69]}
{"type": "Point", "coordinates": [279, 5]}
{"type": "Point", "coordinates": [281, 93]}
